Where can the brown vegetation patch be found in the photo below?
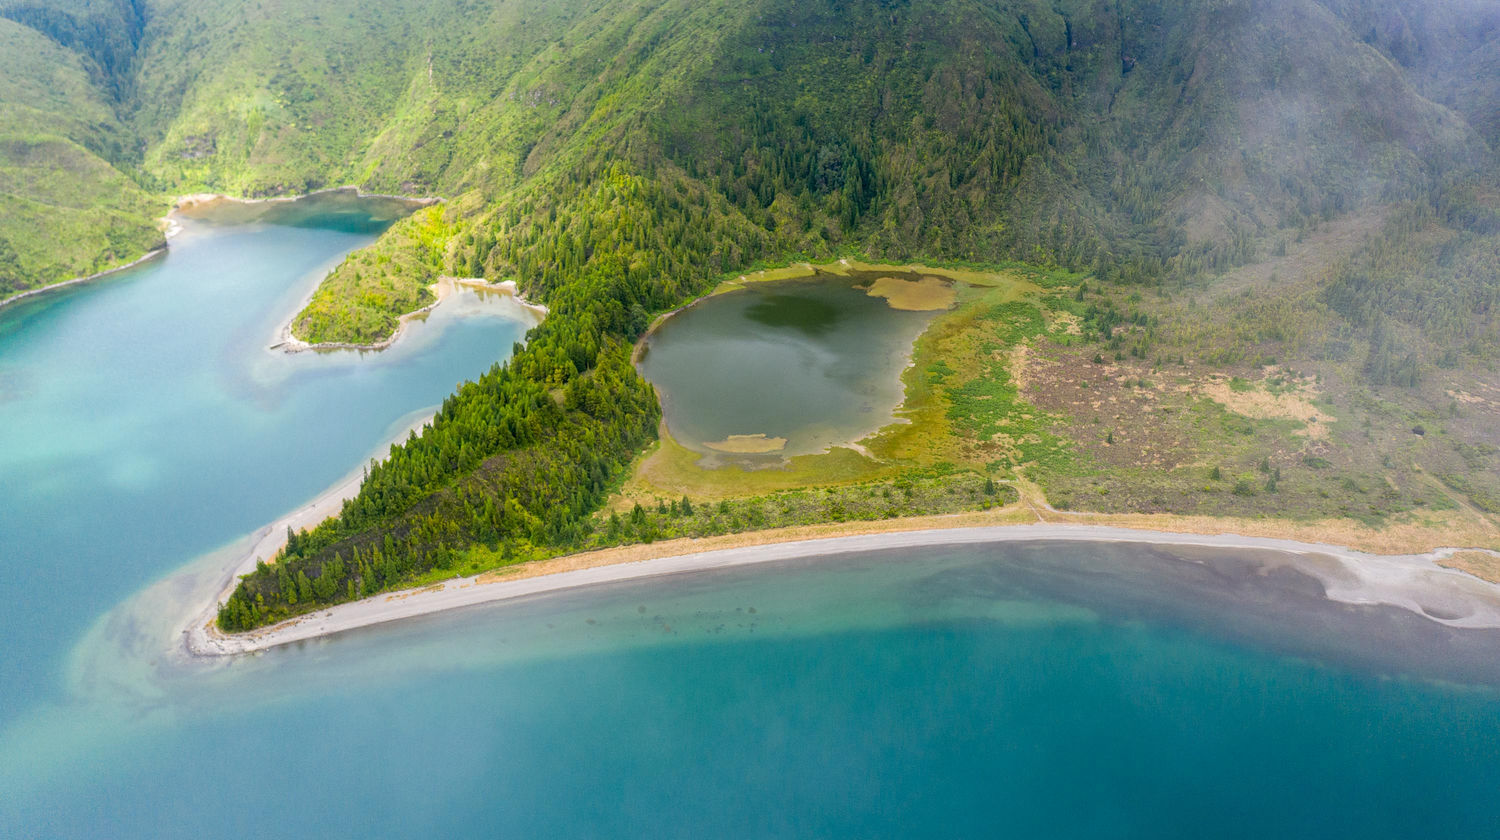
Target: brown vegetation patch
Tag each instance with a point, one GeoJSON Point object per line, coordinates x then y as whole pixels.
{"type": "Point", "coordinates": [1020, 362]}
{"type": "Point", "coordinates": [1263, 401]}
{"type": "Point", "coordinates": [1481, 564]}
{"type": "Point", "coordinates": [1468, 399]}
{"type": "Point", "coordinates": [1112, 422]}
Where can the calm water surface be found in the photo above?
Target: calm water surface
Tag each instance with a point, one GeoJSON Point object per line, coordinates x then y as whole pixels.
{"type": "Point", "coordinates": [145, 421]}
{"type": "Point", "coordinates": [816, 361]}
{"type": "Point", "coordinates": [1043, 690]}
{"type": "Point", "coordinates": [1059, 690]}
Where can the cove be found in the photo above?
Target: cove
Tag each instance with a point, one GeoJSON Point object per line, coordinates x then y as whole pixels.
{"type": "Point", "coordinates": [144, 421]}
{"type": "Point", "coordinates": [778, 368]}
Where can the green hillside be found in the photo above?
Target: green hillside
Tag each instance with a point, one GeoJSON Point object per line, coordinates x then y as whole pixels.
{"type": "Point", "coordinates": [62, 150]}
{"type": "Point", "coordinates": [1148, 138]}
{"type": "Point", "coordinates": [1236, 185]}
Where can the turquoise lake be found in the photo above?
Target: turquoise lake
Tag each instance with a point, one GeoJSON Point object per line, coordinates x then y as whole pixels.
{"type": "Point", "coordinates": [1062, 690]}
{"type": "Point", "coordinates": [145, 421]}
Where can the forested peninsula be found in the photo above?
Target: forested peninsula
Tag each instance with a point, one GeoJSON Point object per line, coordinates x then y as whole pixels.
{"type": "Point", "coordinates": [1228, 285]}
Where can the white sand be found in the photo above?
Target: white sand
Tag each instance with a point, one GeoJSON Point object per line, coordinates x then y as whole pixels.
{"type": "Point", "coordinates": [270, 539]}
{"type": "Point", "coordinates": [1412, 582]}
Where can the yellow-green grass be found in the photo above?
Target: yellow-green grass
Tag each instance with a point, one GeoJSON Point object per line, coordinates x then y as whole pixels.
{"type": "Point", "coordinates": [923, 435]}
{"type": "Point", "coordinates": [959, 341]}
{"type": "Point", "coordinates": [1481, 564]}
{"type": "Point", "coordinates": [929, 294]}
{"type": "Point", "coordinates": [670, 470]}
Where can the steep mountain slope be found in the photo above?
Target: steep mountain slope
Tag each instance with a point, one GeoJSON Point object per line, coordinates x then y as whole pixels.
{"type": "Point", "coordinates": [1149, 144]}
{"type": "Point", "coordinates": [1145, 137]}
{"type": "Point", "coordinates": [59, 137]}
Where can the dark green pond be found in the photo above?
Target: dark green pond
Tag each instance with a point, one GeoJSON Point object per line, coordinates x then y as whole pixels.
{"type": "Point", "coordinates": [816, 361]}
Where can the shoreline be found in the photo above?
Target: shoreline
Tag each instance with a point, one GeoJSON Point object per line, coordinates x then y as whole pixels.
{"type": "Point", "coordinates": [195, 199]}
{"type": "Point", "coordinates": [797, 271]}
{"type": "Point", "coordinates": [171, 228]}
{"type": "Point", "coordinates": [1412, 581]}
{"type": "Point", "coordinates": [441, 290]}
{"type": "Point", "coordinates": [288, 342]}
{"type": "Point", "coordinates": [63, 284]}
{"type": "Point", "coordinates": [269, 539]}
{"type": "Point", "coordinates": [1395, 566]}
{"type": "Point", "coordinates": [794, 271]}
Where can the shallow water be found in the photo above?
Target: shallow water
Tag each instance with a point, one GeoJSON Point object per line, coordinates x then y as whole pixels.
{"type": "Point", "coordinates": [1048, 689]}
{"type": "Point", "coordinates": [1042, 689]}
{"type": "Point", "coordinates": [145, 421]}
{"type": "Point", "coordinates": [814, 361]}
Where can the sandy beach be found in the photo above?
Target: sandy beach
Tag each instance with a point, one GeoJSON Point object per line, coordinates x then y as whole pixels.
{"type": "Point", "coordinates": [1410, 581]}
{"type": "Point", "coordinates": [269, 540]}
{"type": "Point", "coordinates": [1396, 566]}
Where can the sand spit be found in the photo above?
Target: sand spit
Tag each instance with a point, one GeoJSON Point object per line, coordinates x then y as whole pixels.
{"type": "Point", "coordinates": [504, 287]}
{"type": "Point", "coordinates": [269, 540]}
{"type": "Point", "coordinates": [1412, 582]}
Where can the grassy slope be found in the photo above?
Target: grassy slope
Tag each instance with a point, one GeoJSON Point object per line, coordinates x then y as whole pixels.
{"type": "Point", "coordinates": [360, 300]}
{"type": "Point", "coordinates": [1233, 119]}
{"type": "Point", "coordinates": [993, 139]}
{"type": "Point", "coordinates": [993, 130]}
